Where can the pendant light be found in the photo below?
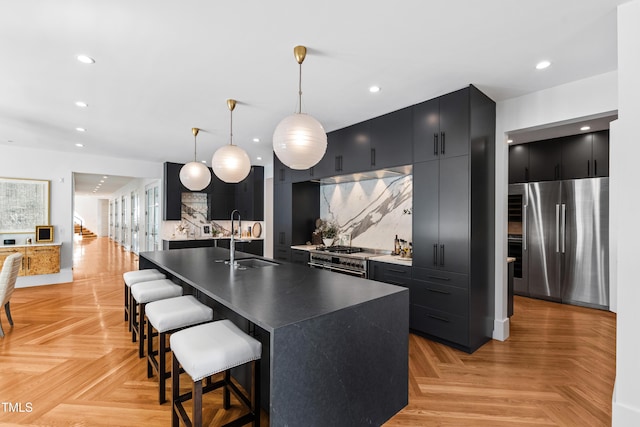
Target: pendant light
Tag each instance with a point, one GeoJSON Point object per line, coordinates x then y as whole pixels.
{"type": "Point", "coordinates": [194, 175]}
{"type": "Point", "coordinates": [231, 163]}
{"type": "Point", "coordinates": [299, 140]}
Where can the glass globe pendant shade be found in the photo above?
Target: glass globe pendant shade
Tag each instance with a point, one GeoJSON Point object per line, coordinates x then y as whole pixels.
{"type": "Point", "coordinates": [195, 176]}
{"type": "Point", "coordinates": [231, 164]}
{"type": "Point", "coordinates": [299, 141]}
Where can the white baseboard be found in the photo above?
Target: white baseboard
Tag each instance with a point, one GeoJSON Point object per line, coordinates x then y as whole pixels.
{"type": "Point", "coordinates": [623, 415]}
{"type": "Point", "coordinates": [65, 276]}
{"type": "Point", "coordinates": [501, 329]}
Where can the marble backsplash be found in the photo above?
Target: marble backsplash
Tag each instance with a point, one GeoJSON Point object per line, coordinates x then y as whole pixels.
{"type": "Point", "coordinates": [372, 211]}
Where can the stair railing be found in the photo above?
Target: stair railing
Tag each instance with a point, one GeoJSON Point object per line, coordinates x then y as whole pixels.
{"type": "Point", "coordinates": [77, 220]}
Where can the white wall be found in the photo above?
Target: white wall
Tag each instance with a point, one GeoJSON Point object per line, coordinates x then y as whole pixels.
{"type": "Point", "coordinates": [18, 162]}
{"type": "Point", "coordinates": [88, 208]}
{"type": "Point", "coordinates": [624, 156]}
{"type": "Point", "coordinates": [569, 102]}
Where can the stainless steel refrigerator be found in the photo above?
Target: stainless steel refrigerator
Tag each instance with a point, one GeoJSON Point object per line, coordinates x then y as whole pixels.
{"type": "Point", "coordinates": [567, 241]}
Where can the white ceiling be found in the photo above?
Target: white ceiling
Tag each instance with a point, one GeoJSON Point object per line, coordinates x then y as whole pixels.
{"type": "Point", "coordinates": [163, 67]}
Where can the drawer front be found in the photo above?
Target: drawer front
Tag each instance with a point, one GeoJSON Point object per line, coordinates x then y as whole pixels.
{"type": "Point", "coordinates": [445, 298]}
{"type": "Point", "coordinates": [390, 273]}
{"type": "Point", "coordinates": [300, 257]}
{"type": "Point", "coordinates": [443, 277]}
{"type": "Point", "coordinates": [442, 325]}
{"type": "Point", "coordinates": [396, 274]}
{"type": "Point", "coordinates": [282, 253]}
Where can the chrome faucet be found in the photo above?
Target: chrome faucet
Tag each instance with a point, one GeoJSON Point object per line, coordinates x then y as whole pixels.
{"type": "Point", "coordinates": [232, 256]}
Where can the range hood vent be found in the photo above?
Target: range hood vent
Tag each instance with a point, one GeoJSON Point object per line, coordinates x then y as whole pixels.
{"type": "Point", "coordinates": [368, 175]}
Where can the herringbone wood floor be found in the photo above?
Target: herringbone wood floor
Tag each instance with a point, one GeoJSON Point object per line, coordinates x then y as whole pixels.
{"type": "Point", "coordinates": [69, 360]}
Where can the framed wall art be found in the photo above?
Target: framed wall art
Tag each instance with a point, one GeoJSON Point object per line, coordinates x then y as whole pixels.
{"type": "Point", "coordinates": [24, 204]}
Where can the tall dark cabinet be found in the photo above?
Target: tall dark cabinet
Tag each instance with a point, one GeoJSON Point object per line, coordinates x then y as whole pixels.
{"type": "Point", "coordinates": [453, 205]}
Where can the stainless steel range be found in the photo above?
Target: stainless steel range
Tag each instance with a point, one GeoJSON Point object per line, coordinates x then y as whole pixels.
{"type": "Point", "coordinates": [342, 259]}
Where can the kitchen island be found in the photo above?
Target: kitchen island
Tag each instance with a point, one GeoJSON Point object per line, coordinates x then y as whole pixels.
{"type": "Point", "coordinates": [335, 347]}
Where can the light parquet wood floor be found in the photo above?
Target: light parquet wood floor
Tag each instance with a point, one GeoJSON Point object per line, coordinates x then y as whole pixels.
{"type": "Point", "coordinates": [69, 361]}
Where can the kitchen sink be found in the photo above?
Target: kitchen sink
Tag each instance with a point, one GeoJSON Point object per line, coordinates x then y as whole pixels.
{"type": "Point", "coordinates": [255, 263]}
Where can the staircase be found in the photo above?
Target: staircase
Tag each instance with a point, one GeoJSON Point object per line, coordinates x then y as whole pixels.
{"type": "Point", "coordinates": [84, 232]}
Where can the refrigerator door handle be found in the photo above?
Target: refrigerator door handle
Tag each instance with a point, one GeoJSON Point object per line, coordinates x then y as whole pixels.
{"type": "Point", "coordinates": [563, 227]}
{"type": "Point", "coordinates": [524, 227]}
{"type": "Point", "coordinates": [557, 228]}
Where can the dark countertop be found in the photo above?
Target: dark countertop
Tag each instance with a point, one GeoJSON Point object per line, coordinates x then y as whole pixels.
{"type": "Point", "coordinates": [270, 297]}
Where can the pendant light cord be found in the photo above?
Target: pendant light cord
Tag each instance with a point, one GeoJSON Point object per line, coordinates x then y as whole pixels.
{"type": "Point", "coordinates": [300, 90]}
{"type": "Point", "coordinates": [195, 156]}
{"type": "Point", "coordinates": [231, 130]}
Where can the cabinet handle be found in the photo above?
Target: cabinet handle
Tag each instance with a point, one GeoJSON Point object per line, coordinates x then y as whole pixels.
{"type": "Point", "coordinates": [526, 174]}
{"type": "Point", "coordinates": [435, 144]}
{"type": "Point", "coordinates": [373, 157]}
{"type": "Point", "coordinates": [435, 254]}
{"type": "Point", "coordinates": [595, 167]}
{"type": "Point", "coordinates": [438, 291]}
{"type": "Point", "coordinates": [442, 138]}
{"type": "Point", "coordinates": [311, 171]}
{"type": "Point", "coordinates": [557, 174]}
{"type": "Point", "coordinates": [439, 278]}
{"type": "Point", "coordinates": [397, 271]}
{"type": "Point", "coordinates": [588, 168]}
{"type": "Point", "coordinates": [441, 254]}
{"type": "Point", "coordinates": [337, 164]}
{"type": "Point", "coordinates": [442, 319]}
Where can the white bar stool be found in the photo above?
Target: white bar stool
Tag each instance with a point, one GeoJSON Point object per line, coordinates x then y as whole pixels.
{"type": "Point", "coordinates": [133, 277]}
{"type": "Point", "coordinates": [166, 317]}
{"type": "Point", "coordinates": [205, 350]}
{"type": "Point", "coordinates": [143, 293]}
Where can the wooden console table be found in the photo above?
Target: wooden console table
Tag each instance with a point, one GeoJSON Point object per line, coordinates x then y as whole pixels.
{"type": "Point", "coordinates": [38, 258]}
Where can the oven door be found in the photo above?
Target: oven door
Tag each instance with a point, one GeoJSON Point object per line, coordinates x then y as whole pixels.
{"type": "Point", "coordinates": [337, 268]}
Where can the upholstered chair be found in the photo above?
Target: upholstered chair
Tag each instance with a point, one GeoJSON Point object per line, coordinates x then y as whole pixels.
{"type": "Point", "coordinates": [8, 277]}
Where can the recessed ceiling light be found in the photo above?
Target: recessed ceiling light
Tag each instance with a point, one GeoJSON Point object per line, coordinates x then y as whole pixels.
{"type": "Point", "coordinates": [374, 89]}
{"type": "Point", "coordinates": [105, 176]}
{"type": "Point", "coordinates": [509, 141]}
{"type": "Point", "coordinates": [203, 161]}
{"type": "Point", "coordinates": [583, 128]}
{"type": "Point", "coordinates": [86, 59]}
{"type": "Point", "coordinates": [542, 65]}
{"type": "Point", "coordinates": [101, 181]}
{"type": "Point", "coordinates": [81, 104]}
{"type": "Point", "coordinates": [258, 158]}
{"type": "Point", "coordinates": [81, 129]}
{"type": "Point", "coordinates": [256, 139]}
{"type": "Point", "coordinates": [79, 145]}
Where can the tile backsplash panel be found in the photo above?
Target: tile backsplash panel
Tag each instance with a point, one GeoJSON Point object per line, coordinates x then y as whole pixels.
{"type": "Point", "coordinates": [372, 211]}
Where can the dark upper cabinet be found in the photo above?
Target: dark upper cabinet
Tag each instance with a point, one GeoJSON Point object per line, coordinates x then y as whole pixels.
{"type": "Point", "coordinates": [391, 142]}
{"type": "Point", "coordinates": [577, 156]}
{"type": "Point", "coordinates": [545, 160]}
{"type": "Point", "coordinates": [222, 198]}
{"type": "Point", "coordinates": [585, 156]}
{"type": "Point", "coordinates": [601, 153]}
{"type": "Point", "coordinates": [518, 163]}
{"type": "Point", "coordinates": [249, 195]}
{"type": "Point", "coordinates": [569, 157]}
{"type": "Point", "coordinates": [173, 190]}
{"type": "Point", "coordinates": [351, 148]}
{"type": "Point", "coordinates": [441, 127]}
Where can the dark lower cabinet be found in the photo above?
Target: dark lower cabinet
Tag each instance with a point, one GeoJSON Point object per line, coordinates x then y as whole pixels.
{"type": "Point", "coordinates": [446, 307]}
{"type": "Point", "coordinates": [182, 244]}
{"type": "Point", "coordinates": [299, 256]}
{"type": "Point", "coordinates": [394, 274]}
{"type": "Point", "coordinates": [254, 247]}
